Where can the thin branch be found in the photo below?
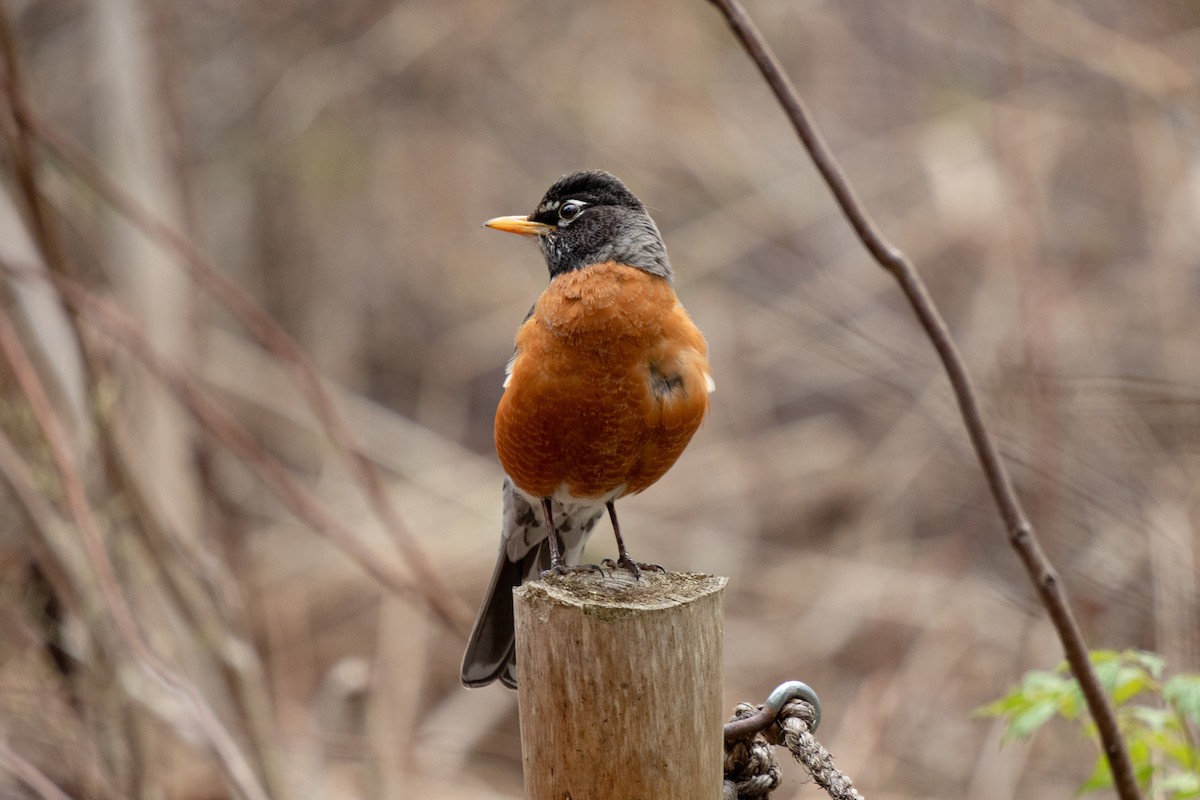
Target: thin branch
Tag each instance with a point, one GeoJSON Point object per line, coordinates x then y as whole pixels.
{"type": "Point", "coordinates": [276, 340]}
{"type": "Point", "coordinates": [237, 768]}
{"type": "Point", "coordinates": [21, 146]}
{"type": "Point", "coordinates": [51, 533]}
{"type": "Point", "coordinates": [109, 319]}
{"type": "Point", "coordinates": [28, 773]}
{"type": "Point", "coordinates": [1020, 532]}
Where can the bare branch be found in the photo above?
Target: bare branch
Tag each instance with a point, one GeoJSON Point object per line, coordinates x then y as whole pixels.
{"type": "Point", "coordinates": [237, 768]}
{"type": "Point", "coordinates": [29, 774]}
{"type": "Point", "coordinates": [21, 144]}
{"type": "Point", "coordinates": [109, 319]}
{"type": "Point", "coordinates": [277, 341]}
{"type": "Point", "coordinates": [1020, 532]}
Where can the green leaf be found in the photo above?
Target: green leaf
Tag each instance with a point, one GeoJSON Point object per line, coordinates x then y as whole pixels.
{"type": "Point", "coordinates": [1142, 758]}
{"type": "Point", "coordinates": [1014, 701]}
{"type": "Point", "coordinates": [1115, 673]}
{"type": "Point", "coordinates": [1164, 756]}
{"type": "Point", "coordinates": [1108, 671]}
{"type": "Point", "coordinates": [1180, 785]}
{"type": "Point", "coordinates": [1071, 705]}
{"type": "Point", "coordinates": [1036, 687]}
{"type": "Point", "coordinates": [1152, 663]}
{"type": "Point", "coordinates": [1175, 747]}
{"type": "Point", "coordinates": [1025, 722]}
{"type": "Point", "coordinates": [1139, 755]}
{"type": "Point", "coordinates": [1099, 657]}
{"type": "Point", "coordinates": [1041, 682]}
{"type": "Point", "coordinates": [1130, 682]}
{"type": "Point", "coordinates": [1183, 692]}
{"type": "Point", "coordinates": [1126, 674]}
{"type": "Point", "coordinates": [1154, 719]}
{"type": "Point", "coordinates": [1101, 777]}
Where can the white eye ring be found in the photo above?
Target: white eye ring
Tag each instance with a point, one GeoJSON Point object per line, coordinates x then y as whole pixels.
{"type": "Point", "coordinates": [570, 210]}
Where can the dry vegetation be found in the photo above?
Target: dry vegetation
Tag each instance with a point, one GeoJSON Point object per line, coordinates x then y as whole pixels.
{"type": "Point", "coordinates": [1038, 160]}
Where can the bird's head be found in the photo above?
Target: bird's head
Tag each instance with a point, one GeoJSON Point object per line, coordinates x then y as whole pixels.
{"type": "Point", "coordinates": [588, 218]}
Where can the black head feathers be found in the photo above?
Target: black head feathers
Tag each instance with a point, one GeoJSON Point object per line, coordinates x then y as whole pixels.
{"type": "Point", "coordinates": [591, 217]}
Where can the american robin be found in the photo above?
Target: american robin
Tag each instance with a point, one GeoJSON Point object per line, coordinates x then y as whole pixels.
{"type": "Point", "coordinates": [608, 383]}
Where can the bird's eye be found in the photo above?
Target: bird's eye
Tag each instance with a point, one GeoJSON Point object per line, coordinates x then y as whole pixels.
{"type": "Point", "coordinates": [570, 210]}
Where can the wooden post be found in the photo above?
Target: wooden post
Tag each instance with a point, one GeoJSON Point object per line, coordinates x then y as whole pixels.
{"type": "Point", "coordinates": [621, 686]}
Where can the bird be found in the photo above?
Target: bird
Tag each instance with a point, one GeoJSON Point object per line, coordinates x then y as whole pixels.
{"type": "Point", "coordinates": [608, 382]}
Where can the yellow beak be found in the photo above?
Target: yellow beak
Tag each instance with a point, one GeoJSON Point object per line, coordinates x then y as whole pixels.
{"type": "Point", "coordinates": [522, 225]}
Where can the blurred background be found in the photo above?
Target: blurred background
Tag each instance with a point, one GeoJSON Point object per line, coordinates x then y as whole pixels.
{"type": "Point", "coordinates": [1039, 160]}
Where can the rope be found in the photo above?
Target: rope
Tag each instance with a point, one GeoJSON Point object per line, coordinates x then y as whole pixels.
{"type": "Point", "coordinates": [751, 771]}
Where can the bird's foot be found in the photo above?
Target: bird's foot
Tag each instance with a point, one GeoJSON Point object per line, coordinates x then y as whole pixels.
{"type": "Point", "coordinates": [627, 563]}
{"type": "Point", "coordinates": [571, 569]}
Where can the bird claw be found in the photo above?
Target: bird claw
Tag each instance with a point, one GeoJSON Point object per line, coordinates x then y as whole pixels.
{"type": "Point", "coordinates": [636, 567]}
{"type": "Point", "coordinates": [571, 569]}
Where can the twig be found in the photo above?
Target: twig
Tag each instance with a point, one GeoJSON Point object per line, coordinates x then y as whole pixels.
{"type": "Point", "coordinates": [50, 533]}
{"type": "Point", "coordinates": [28, 773]}
{"type": "Point", "coordinates": [277, 341]}
{"type": "Point", "coordinates": [21, 146]}
{"type": "Point", "coordinates": [109, 319]}
{"type": "Point", "coordinates": [1020, 532]}
{"type": "Point", "coordinates": [1062, 29]}
{"type": "Point", "coordinates": [237, 768]}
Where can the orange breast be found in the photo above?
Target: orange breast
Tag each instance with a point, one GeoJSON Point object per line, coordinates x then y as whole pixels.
{"type": "Point", "coordinates": [609, 383]}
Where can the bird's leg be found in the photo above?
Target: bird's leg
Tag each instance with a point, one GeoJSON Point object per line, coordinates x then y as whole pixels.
{"type": "Point", "coordinates": [623, 559]}
{"type": "Point", "coordinates": [557, 565]}
{"type": "Point", "coordinates": [556, 562]}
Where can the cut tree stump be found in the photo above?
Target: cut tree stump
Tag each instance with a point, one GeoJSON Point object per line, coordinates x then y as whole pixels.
{"type": "Point", "coordinates": [621, 686]}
